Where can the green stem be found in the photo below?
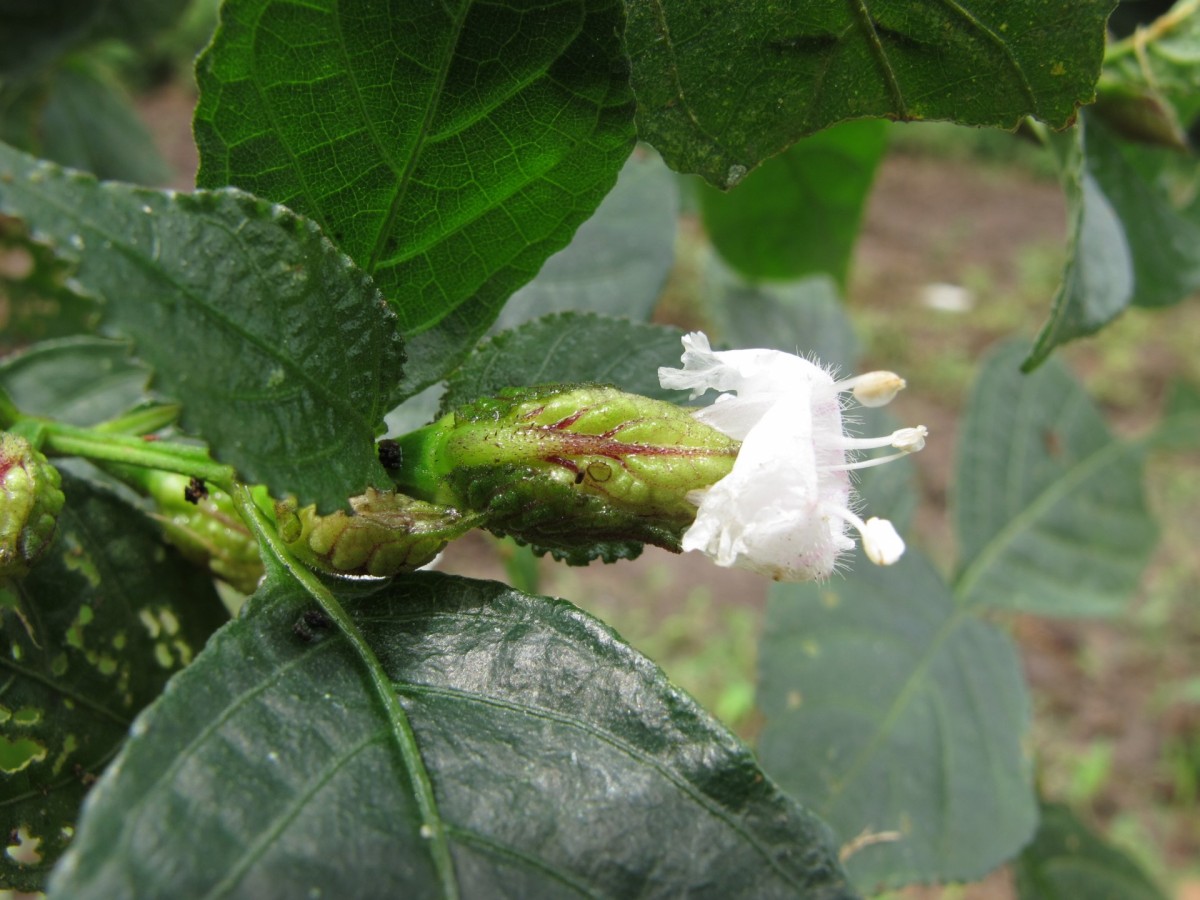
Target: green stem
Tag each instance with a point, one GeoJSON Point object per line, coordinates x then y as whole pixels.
{"type": "Point", "coordinates": [432, 827]}
{"type": "Point", "coordinates": [9, 414]}
{"type": "Point", "coordinates": [142, 421]}
{"type": "Point", "coordinates": [68, 440]}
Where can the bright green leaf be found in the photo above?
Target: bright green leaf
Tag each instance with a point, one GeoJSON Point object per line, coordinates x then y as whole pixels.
{"type": "Point", "coordinates": [569, 347]}
{"type": "Point", "coordinates": [449, 149]}
{"type": "Point", "coordinates": [1066, 861]}
{"type": "Point", "coordinates": [562, 763]}
{"type": "Point", "coordinates": [899, 718]}
{"type": "Point", "coordinates": [721, 87]}
{"type": "Point", "coordinates": [281, 352]}
{"type": "Point", "coordinates": [1049, 507]}
{"type": "Point", "coordinates": [90, 636]}
{"type": "Point", "coordinates": [79, 380]}
{"type": "Point", "coordinates": [1129, 245]}
{"type": "Point", "coordinates": [619, 259]}
{"type": "Point", "coordinates": [799, 213]}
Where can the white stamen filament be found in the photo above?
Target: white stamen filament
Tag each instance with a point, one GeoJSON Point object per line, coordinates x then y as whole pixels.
{"type": "Point", "coordinates": [880, 541]}
{"type": "Point", "coordinates": [908, 439]}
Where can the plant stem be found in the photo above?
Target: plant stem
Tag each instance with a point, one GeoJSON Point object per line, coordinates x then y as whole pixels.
{"type": "Point", "coordinates": [141, 421]}
{"type": "Point", "coordinates": [9, 414]}
{"type": "Point", "coordinates": [68, 440]}
{"type": "Point", "coordinates": [432, 827]}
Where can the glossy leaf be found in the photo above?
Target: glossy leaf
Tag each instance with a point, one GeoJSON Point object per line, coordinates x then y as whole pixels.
{"type": "Point", "coordinates": [799, 213]}
{"type": "Point", "coordinates": [805, 317]}
{"type": "Point", "coordinates": [720, 88]}
{"type": "Point", "coordinates": [1128, 244]}
{"type": "Point", "coordinates": [562, 763]}
{"type": "Point", "coordinates": [34, 32]}
{"type": "Point", "coordinates": [1049, 507]}
{"type": "Point", "coordinates": [281, 352]}
{"type": "Point", "coordinates": [78, 380]}
{"type": "Point", "coordinates": [569, 347]}
{"type": "Point", "coordinates": [90, 637]}
{"type": "Point", "coordinates": [449, 149]}
{"type": "Point", "coordinates": [900, 718]}
{"type": "Point", "coordinates": [619, 259]}
{"type": "Point", "coordinates": [1066, 861]}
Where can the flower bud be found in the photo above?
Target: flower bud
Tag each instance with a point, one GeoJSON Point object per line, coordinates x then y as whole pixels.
{"type": "Point", "coordinates": [203, 524]}
{"type": "Point", "coordinates": [31, 498]}
{"type": "Point", "coordinates": [385, 534]}
{"type": "Point", "coordinates": [582, 470]}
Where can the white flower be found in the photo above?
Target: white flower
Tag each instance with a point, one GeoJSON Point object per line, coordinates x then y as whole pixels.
{"type": "Point", "coordinates": [784, 508]}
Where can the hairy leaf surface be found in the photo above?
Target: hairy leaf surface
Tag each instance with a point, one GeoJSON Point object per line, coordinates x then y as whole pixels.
{"type": "Point", "coordinates": [1049, 507]}
{"type": "Point", "coordinates": [449, 149]}
{"type": "Point", "coordinates": [280, 350]}
{"type": "Point", "coordinates": [721, 87]}
{"type": "Point", "coordinates": [899, 717]}
{"type": "Point", "coordinates": [562, 764]}
{"type": "Point", "coordinates": [90, 636]}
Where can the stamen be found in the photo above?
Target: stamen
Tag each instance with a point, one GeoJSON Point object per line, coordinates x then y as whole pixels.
{"type": "Point", "coordinates": [873, 388]}
{"type": "Point", "coordinates": [880, 541]}
{"type": "Point", "coordinates": [909, 440]}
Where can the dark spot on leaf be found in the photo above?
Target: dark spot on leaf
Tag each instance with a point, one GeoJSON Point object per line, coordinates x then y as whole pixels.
{"type": "Point", "coordinates": [311, 622]}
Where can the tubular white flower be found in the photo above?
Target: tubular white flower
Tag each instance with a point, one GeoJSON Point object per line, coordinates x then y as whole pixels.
{"type": "Point", "coordinates": [784, 509]}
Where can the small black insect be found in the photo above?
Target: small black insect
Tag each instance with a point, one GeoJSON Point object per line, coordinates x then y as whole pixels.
{"type": "Point", "coordinates": [579, 476]}
{"type": "Point", "coordinates": [390, 454]}
{"type": "Point", "coordinates": [309, 624]}
{"type": "Point", "coordinates": [195, 491]}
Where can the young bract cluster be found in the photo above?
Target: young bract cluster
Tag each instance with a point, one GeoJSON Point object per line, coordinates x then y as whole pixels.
{"type": "Point", "coordinates": [785, 508]}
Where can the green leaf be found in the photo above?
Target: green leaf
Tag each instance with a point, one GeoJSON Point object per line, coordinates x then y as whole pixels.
{"type": "Point", "coordinates": [1128, 243]}
{"type": "Point", "coordinates": [888, 491]}
{"type": "Point", "coordinates": [88, 122]}
{"type": "Point", "coordinates": [449, 149]}
{"type": "Point", "coordinates": [899, 718]}
{"type": "Point", "coordinates": [35, 299]}
{"type": "Point", "coordinates": [799, 213]}
{"type": "Point", "coordinates": [281, 352]}
{"type": "Point", "coordinates": [1067, 861]}
{"type": "Point", "coordinates": [1049, 507]}
{"type": "Point", "coordinates": [569, 347]}
{"type": "Point", "coordinates": [805, 317]}
{"type": "Point", "coordinates": [78, 380]}
{"type": "Point", "coordinates": [90, 637]}
{"type": "Point", "coordinates": [561, 762]}
{"type": "Point", "coordinates": [720, 88]}
{"type": "Point", "coordinates": [34, 32]}
{"type": "Point", "coordinates": [619, 259]}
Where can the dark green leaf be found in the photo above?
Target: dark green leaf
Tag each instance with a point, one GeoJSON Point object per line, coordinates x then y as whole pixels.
{"type": "Point", "coordinates": [569, 347]}
{"type": "Point", "coordinates": [1128, 244]}
{"type": "Point", "coordinates": [35, 300]}
{"type": "Point", "coordinates": [888, 491]}
{"type": "Point", "coordinates": [34, 32]}
{"type": "Point", "coordinates": [562, 764]}
{"type": "Point", "coordinates": [87, 122]}
{"type": "Point", "coordinates": [804, 317]}
{"type": "Point", "coordinates": [1049, 508]}
{"type": "Point", "coordinates": [799, 213]}
{"type": "Point", "coordinates": [619, 259]}
{"type": "Point", "coordinates": [78, 380]}
{"type": "Point", "coordinates": [1066, 861]}
{"type": "Point", "coordinates": [721, 87]}
{"type": "Point", "coordinates": [449, 149]}
{"type": "Point", "coordinates": [91, 636]}
{"type": "Point", "coordinates": [900, 718]}
{"type": "Point", "coordinates": [1180, 425]}
{"type": "Point", "coordinates": [281, 352]}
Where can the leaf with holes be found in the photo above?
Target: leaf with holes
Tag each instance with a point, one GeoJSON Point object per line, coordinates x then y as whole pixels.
{"type": "Point", "coordinates": [449, 149]}
{"type": "Point", "coordinates": [900, 718]}
{"type": "Point", "coordinates": [721, 87]}
{"type": "Point", "coordinates": [553, 759]}
{"type": "Point", "coordinates": [91, 636]}
{"type": "Point", "coordinates": [1049, 507]}
{"type": "Point", "coordinates": [281, 352]}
